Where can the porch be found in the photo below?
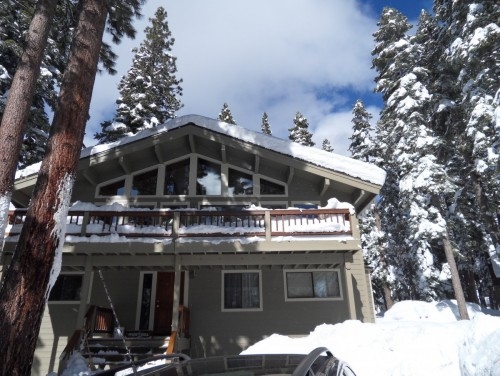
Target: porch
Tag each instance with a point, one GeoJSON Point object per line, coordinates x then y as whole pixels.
{"type": "Point", "coordinates": [105, 345]}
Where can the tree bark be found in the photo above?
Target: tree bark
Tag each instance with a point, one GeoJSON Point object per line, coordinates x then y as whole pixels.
{"type": "Point", "coordinates": [19, 101]}
{"type": "Point", "coordinates": [389, 302]}
{"type": "Point", "coordinates": [37, 258]}
{"type": "Point", "coordinates": [455, 278]}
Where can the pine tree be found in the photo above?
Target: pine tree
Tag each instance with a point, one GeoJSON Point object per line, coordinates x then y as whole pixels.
{"type": "Point", "coordinates": [300, 131]}
{"type": "Point", "coordinates": [19, 103]}
{"type": "Point", "coordinates": [390, 40]}
{"type": "Point", "coordinates": [361, 139]}
{"type": "Point", "coordinates": [36, 261]}
{"type": "Point", "coordinates": [149, 92]}
{"type": "Point", "coordinates": [14, 20]}
{"type": "Point", "coordinates": [225, 115]}
{"type": "Point", "coordinates": [467, 80]}
{"type": "Point", "coordinates": [417, 182]}
{"type": "Point", "coordinates": [326, 146]}
{"type": "Point", "coordinates": [266, 127]}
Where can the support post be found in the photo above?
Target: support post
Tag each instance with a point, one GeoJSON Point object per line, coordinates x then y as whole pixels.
{"type": "Point", "coordinates": [86, 283]}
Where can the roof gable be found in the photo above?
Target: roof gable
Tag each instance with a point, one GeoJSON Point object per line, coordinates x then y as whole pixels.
{"type": "Point", "coordinates": [335, 162]}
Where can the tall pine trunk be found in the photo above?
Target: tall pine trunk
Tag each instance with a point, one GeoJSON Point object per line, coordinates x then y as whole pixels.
{"type": "Point", "coordinates": [37, 258]}
{"type": "Point", "coordinates": [389, 302]}
{"type": "Point", "coordinates": [17, 109]}
{"type": "Point", "coordinates": [455, 277]}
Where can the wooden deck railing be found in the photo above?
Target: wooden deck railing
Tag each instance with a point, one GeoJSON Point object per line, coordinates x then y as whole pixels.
{"type": "Point", "coordinates": [199, 223]}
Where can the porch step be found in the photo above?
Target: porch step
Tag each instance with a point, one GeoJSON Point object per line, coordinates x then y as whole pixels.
{"type": "Point", "coordinates": [110, 352]}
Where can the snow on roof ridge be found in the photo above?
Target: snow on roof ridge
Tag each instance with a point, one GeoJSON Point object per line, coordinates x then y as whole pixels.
{"type": "Point", "coordinates": [336, 162]}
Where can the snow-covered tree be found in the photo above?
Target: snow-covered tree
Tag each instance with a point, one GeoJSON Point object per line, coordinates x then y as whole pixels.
{"type": "Point", "coordinates": [326, 146]}
{"type": "Point", "coordinates": [265, 126]}
{"type": "Point", "coordinates": [225, 115]}
{"type": "Point", "coordinates": [150, 91]}
{"type": "Point", "coordinates": [361, 139]}
{"type": "Point", "coordinates": [417, 182]}
{"type": "Point", "coordinates": [300, 131]}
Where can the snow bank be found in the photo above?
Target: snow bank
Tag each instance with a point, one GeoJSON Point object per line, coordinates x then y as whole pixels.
{"type": "Point", "coordinates": [413, 339]}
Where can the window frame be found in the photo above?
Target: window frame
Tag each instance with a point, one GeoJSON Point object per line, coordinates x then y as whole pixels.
{"type": "Point", "coordinates": [130, 194]}
{"type": "Point", "coordinates": [261, 177]}
{"type": "Point", "coordinates": [223, 184]}
{"type": "Point", "coordinates": [126, 187]}
{"type": "Point", "coordinates": [313, 299]}
{"type": "Point", "coordinates": [241, 271]}
{"type": "Point", "coordinates": [86, 299]}
{"type": "Point", "coordinates": [241, 171]}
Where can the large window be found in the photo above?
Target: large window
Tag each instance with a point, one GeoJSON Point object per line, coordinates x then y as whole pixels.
{"type": "Point", "coordinates": [114, 189]}
{"type": "Point", "coordinates": [177, 178]}
{"type": "Point", "coordinates": [312, 285]}
{"type": "Point", "coordinates": [67, 288]}
{"type": "Point", "coordinates": [239, 183]}
{"type": "Point", "coordinates": [269, 188]}
{"type": "Point", "coordinates": [145, 184]}
{"type": "Point", "coordinates": [208, 178]}
{"type": "Point", "coordinates": [241, 291]}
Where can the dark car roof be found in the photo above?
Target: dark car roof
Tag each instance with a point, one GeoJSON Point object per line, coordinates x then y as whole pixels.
{"type": "Point", "coordinates": [240, 365]}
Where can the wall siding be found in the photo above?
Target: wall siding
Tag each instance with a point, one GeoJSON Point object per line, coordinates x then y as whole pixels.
{"type": "Point", "coordinates": [238, 330]}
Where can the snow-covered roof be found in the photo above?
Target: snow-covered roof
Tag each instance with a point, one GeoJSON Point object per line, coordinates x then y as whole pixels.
{"type": "Point", "coordinates": [335, 162]}
{"type": "Point", "coordinates": [332, 161]}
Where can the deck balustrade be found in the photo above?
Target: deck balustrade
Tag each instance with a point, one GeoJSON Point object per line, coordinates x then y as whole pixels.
{"type": "Point", "coordinates": [135, 223]}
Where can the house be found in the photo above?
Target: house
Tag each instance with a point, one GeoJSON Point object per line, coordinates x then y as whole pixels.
{"type": "Point", "coordinates": [206, 237]}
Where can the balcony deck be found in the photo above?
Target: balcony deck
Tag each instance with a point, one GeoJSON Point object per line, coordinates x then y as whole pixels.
{"type": "Point", "coordinates": [165, 232]}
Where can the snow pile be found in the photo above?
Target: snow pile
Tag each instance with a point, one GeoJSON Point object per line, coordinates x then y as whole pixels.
{"type": "Point", "coordinates": [412, 339]}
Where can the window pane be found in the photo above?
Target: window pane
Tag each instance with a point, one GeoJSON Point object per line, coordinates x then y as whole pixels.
{"type": "Point", "coordinates": [299, 285]}
{"type": "Point", "coordinates": [269, 188]}
{"type": "Point", "coordinates": [319, 284]}
{"type": "Point", "coordinates": [113, 189]}
{"type": "Point", "coordinates": [147, 286]}
{"type": "Point", "coordinates": [177, 178]}
{"type": "Point", "coordinates": [67, 288]}
{"type": "Point", "coordinates": [241, 290]}
{"type": "Point", "coordinates": [145, 184]}
{"type": "Point", "coordinates": [208, 178]}
{"type": "Point", "coordinates": [326, 284]}
{"type": "Point", "coordinates": [239, 183]}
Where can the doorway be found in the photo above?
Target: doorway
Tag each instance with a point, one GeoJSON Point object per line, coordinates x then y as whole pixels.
{"type": "Point", "coordinates": [156, 301]}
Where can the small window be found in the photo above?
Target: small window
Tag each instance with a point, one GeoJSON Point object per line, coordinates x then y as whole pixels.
{"type": "Point", "coordinates": [241, 291]}
{"type": "Point", "coordinates": [313, 285]}
{"type": "Point", "coordinates": [177, 178]}
{"type": "Point", "coordinates": [239, 183]}
{"type": "Point", "coordinates": [269, 188]}
{"type": "Point", "coordinates": [67, 288]}
{"type": "Point", "coordinates": [145, 184]}
{"type": "Point", "coordinates": [114, 189]}
{"type": "Point", "coordinates": [208, 178]}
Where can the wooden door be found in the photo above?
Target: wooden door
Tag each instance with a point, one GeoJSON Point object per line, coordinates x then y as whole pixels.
{"type": "Point", "coordinates": [164, 303]}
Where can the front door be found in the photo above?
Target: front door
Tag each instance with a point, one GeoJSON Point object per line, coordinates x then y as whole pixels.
{"type": "Point", "coordinates": [164, 303]}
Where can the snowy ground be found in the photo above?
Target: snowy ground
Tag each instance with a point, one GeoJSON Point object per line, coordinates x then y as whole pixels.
{"type": "Point", "coordinates": [414, 338]}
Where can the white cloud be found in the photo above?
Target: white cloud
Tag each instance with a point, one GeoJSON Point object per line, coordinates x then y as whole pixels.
{"type": "Point", "coordinates": [257, 56]}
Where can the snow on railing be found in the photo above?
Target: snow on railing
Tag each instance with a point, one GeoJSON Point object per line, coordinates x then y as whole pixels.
{"type": "Point", "coordinates": [198, 223]}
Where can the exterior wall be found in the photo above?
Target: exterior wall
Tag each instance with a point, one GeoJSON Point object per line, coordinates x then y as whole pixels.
{"type": "Point", "coordinates": [123, 287]}
{"type": "Point", "coordinates": [214, 332]}
{"type": "Point", "coordinates": [361, 291]}
{"type": "Point", "coordinates": [58, 325]}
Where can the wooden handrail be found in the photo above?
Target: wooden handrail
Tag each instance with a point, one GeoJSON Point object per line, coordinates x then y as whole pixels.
{"type": "Point", "coordinates": [199, 223]}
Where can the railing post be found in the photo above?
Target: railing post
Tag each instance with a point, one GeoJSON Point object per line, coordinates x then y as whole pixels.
{"type": "Point", "coordinates": [85, 221]}
{"type": "Point", "coordinates": [267, 224]}
{"type": "Point", "coordinates": [176, 225]}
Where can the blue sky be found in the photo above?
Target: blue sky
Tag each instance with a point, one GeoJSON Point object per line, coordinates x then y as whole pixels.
{"type": "Point", "coordinates": [279, 56]}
